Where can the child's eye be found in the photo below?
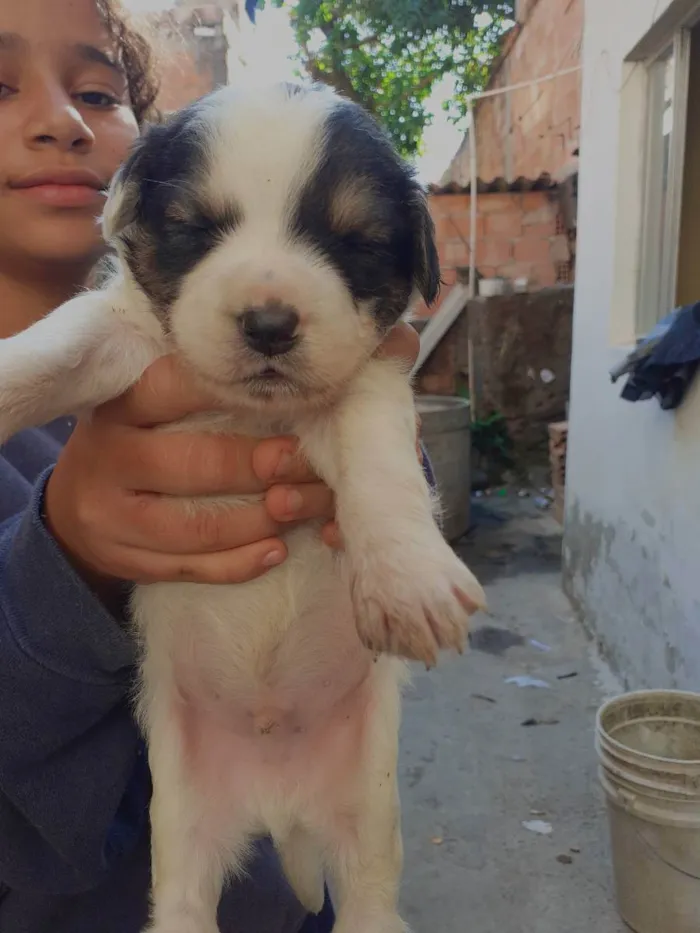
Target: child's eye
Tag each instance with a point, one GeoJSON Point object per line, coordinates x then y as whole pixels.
{"type": "Point", "coordinates": [98, 99]}
{"type": "Point", "coordinates": [6, 91]}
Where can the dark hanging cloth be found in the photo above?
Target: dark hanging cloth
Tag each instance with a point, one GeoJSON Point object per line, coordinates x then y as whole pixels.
{"type": "Point", "coordinates": [664, 362]}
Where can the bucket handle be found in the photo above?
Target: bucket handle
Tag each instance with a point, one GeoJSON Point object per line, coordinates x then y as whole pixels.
{"type": "Point", "coordinates": [642, 838]}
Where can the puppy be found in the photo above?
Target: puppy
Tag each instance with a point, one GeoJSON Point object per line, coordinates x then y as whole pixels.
{"type": "Point", "coordinates": [271, 239]}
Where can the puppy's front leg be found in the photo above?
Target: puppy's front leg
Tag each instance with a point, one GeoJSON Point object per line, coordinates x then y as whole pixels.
{"type": "Point", "coordinates": [365, 864]}
{"type": "Point", "coordinates": [86, 352]}
{"type": "Point", "coordinates": [412, 595]}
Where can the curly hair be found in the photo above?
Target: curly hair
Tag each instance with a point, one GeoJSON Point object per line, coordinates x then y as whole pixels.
{"type": "Point", "coordinates": [135, 55]}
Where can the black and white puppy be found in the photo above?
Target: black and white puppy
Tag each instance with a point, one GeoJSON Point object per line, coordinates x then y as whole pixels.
{"type": "Point", "coordinates": [271, 238]}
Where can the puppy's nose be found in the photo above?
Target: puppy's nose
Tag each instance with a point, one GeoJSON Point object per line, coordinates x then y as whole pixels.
{"type": "Point", "coordinates": [270, 329]}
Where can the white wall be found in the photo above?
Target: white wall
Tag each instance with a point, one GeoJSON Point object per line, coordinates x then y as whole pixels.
{"type": "Point", "coordinates": [631, 551]}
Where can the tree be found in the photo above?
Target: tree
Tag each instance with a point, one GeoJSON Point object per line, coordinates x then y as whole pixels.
{"type": "Point", "coordinates": [389, 54]}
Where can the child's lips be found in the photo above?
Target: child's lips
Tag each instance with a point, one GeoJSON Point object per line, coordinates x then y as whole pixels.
{"type": "Point", "coordinates": [69, 188]}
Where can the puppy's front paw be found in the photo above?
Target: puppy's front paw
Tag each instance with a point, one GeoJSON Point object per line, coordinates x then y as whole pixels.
{"type": "Point", "coordinates": [414, 600]}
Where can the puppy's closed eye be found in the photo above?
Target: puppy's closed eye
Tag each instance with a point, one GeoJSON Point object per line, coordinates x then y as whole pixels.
{"type": "Point", "coordinates": [178, 213]}
{"type": "Point", "coordinates": [194, 218]}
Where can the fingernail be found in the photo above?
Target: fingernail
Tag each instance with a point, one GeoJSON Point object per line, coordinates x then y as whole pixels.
{"type": "Point", "coordinates": [284, 464]}
{"type": "Point", "coordinates": [273, 559]}
{"type": "Point", "coordinates": [294, 502]}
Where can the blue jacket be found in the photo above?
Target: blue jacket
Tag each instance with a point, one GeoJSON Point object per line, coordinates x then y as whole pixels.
{"type": "Point", "coordinates": [74, 780]}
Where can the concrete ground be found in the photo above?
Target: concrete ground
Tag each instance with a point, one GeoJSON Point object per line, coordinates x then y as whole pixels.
{"type": "Point", "coordinates": [472, 772]}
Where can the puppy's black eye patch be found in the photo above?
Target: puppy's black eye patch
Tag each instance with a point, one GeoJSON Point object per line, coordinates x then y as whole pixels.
{"type": "Point", "coordinates": [355, 211]}
{"type": "Point", "coordinates": [174, 240]}
{"type": "Point", "coordinates": [362, 234]}
{"type": "Point", "coordinates": [367, 264]}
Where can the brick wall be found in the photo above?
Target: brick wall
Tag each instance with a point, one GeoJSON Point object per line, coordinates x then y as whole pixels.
{"type": "Point", "coordinates": [518, 235]}
{"type": "Point", "coordinates": [526, 132]}
{"type": "Point", "coordinates": [534, 129]}
{"type": "Point", "coordinates": [191, 65]}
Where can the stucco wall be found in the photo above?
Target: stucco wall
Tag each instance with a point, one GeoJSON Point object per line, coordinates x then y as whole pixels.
{"type": "Point", "coordinates": [631, 546]}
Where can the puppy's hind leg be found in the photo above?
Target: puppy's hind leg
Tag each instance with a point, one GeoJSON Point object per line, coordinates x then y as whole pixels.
{"type": "Point", "coordinates": [366, 859]}
{"type": "Point", "coordinates": [187, 869]}
{"type": "Point", "coordinates": [190, 851]}
{"type": "Point", "coordinates": [302, 862]}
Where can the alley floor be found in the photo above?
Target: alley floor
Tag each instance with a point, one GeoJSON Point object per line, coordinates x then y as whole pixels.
{"type": "Point", "coordinates": [481, 756]}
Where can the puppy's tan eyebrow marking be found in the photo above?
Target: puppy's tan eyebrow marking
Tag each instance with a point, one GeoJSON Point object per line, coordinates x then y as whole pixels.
{"type": "Point", "coordinates": [179, 212]}
{"type": "Point", "coordinates": [354, 209]}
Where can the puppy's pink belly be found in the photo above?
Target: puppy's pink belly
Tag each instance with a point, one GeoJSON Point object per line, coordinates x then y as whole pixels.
{"type": "Point", "coordinates": [240, 757]}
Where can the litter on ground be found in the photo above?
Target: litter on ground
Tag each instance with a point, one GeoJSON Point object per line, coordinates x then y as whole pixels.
{"type": "Point", "coordinates": [538, 826]}
{"type": "Point", "coordinates": [524, 680]}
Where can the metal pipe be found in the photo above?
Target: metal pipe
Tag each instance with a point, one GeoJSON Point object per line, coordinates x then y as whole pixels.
{"type": "Point", "coordinates": [473, 185]}
{"type": "Point", "coordinates": [521, 84]}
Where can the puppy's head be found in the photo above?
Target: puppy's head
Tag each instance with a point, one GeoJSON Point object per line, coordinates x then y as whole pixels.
{"type": "Point", "coordinates": [278, 235]}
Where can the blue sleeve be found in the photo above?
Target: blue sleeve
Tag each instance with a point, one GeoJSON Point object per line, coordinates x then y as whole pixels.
{"type": "Point", "coordinates": [73, 776]}
{"type": "Point", "coordinates": [428, 467]}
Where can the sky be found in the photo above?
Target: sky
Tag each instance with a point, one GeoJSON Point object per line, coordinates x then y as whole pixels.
{"type": "Point", "coordinates": [270, 54]}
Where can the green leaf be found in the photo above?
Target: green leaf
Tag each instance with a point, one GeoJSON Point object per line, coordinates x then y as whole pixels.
{"type": "Point", "coordinates": [388, 54]}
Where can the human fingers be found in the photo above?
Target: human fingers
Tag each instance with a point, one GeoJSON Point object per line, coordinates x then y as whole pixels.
{"type": "Point", "coordinates": [331, 535]}
{"type": "Point", "coordinates": [238, 565]}
{"type": "Point", "coordinates": [188, 464]}
{"type": "Point", "coordinates": [167, 525]}
{"type": "Point", "coordinates": [304, 502]}
{"type": "Point", "coordinates": [166, 392]}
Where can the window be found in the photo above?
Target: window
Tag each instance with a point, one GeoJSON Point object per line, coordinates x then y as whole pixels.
{"type": "Point", "coordinates": [667, 107]}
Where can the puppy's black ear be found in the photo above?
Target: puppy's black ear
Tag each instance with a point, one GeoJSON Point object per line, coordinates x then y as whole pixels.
{"type": "Point", "coordinates": [426, 264]}
{"type": "Point", "coordinates": [152, 161]}
{"type": "Point", "coordinates": [124, 201]}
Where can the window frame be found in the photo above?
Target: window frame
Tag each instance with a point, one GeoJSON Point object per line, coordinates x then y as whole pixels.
{"type": "Point", "coordinates": [660, 240]}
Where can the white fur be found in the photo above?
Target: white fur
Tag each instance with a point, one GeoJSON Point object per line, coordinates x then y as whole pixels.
{"type": "Point", "coordinates": [259, 260]}
{"type": "Point", "coordinates": [264, 710]}
{"type": "Point", "coordinates": [86, 352]}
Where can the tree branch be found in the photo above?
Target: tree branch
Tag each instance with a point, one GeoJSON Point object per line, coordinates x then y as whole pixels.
{"type": "Point", "coordinates": [337, 78]}
{"type": "Point", "coordinates": [368, 40]}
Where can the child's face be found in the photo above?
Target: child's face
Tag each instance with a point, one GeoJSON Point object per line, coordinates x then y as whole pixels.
{"type": "Point", "coordinates": [63, 107]}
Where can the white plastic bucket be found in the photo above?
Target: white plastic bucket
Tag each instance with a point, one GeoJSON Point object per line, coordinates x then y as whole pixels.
{"type": "Point", "coordinates": [648, 746]}
{"type": "Point", "coordinates": [445, 431]}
